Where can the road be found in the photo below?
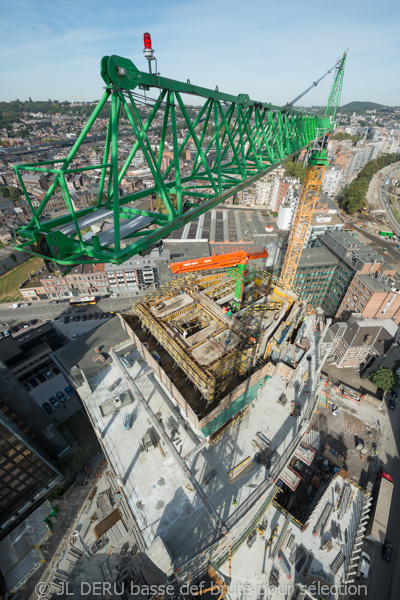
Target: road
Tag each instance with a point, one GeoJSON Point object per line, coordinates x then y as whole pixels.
{"type": "Point", "coordinates": [393, 253]}
{"type": "Point", "coordinates": [42, 310]}
{"type": "Point", "coordinates": [374, 194]}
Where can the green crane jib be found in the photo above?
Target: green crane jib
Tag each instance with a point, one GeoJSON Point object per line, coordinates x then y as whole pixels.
{"type": "Point", "coordinates": [234, 141]}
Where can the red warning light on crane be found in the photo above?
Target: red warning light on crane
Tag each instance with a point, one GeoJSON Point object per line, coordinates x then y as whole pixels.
{"type": "Point", "coordinates": [147, 41]}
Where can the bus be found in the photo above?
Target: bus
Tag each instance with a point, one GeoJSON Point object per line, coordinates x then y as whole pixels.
{"type": "Point", "coordinates": [83, 301]}
{"type": "Point", "coordinates": [388, 234]}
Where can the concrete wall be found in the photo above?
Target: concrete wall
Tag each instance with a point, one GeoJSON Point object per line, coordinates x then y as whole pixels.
{"type": "Point", "coordinates": [165, 380]}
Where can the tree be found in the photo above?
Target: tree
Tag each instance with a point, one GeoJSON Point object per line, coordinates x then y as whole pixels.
{"type": "Point", "coordinates": [295, 169]}
{"type": "Point", "coordinates": [384, 379]}
{"type": "Point", "coordinates": [15, 193]}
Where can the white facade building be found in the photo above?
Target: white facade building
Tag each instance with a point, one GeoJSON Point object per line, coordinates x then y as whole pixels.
{"type": "Point", "coordinates": [331, 181]}
{"type": "Point", "coordinates": [287, 210]}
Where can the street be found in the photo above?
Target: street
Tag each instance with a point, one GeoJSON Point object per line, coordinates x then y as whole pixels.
{"type": "Point", "coordinates": [44, 311]}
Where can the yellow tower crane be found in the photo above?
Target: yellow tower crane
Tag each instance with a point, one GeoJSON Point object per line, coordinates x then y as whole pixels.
{"type": "Point", "coordinates": [317, 164]}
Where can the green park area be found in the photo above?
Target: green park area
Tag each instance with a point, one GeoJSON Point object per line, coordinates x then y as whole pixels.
{"type": "Point", "coordinates": [11, 281]}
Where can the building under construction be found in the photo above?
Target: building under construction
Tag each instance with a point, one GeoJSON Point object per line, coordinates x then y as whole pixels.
{"type": "Point", "coordinates": [214, 360]}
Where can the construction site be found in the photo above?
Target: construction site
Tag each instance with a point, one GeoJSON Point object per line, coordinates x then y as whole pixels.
{"type": "Point", "coordinates": [216, 358]}
{"type": "Point", "coordinates": [193, 499]}
{"type": "Point", "coordinates": [204, 396]}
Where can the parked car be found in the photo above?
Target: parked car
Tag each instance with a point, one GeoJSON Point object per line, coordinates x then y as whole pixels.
{"type": "Point", "coordinates": [33, 382]}
{"type": "Point", "coordinates": [41, 377]}
{"type": "Point", "coordinates": [84, 317]}
{"type": "Point", "coordinates": [69, 391]}
{"type": "Point", "coordinates": [61, 396]}
{"type": "Point", "coordinates": [49, 374]}
{"type": "Point", "coordinates": [24, 304]}
{"type": "Point", "coordinates": [57, 319]}
{"type": "Point", "coordinates": [114, 296]}
{"type": "Point", "coordinates": [71, 318]}
{"type": "Point", "coordinates": [95, 316]}
{"type": "Point", "coordinates": [104, 316]}
{"type": "Point", "coordinates": [56, 370]}
{"type": "Point", "coordinates": [392, 403]}
{"type": "Point", "coordinates": [66, 320]}
{"type": "Point", "coordinates": [53, 302]}
{"type": "Point", "coordinates": [16, 305]}
{"type": "Point", "coordinates": [364, 565]}
{"type": "Point", "coordinates": [26, 387]}
{"type": "Point", "coordinates": [395, 392]}
{"type": "Point", "coordinates": [53, 401]}
{"type": "Point", "coordinates": [385, 475]}
{"type": "Point", "coordinates": [47, 408]}
{"type": "Point", "coordinates": [77, 318]}
{"type": "Point", "coordinates": [387, 551]}
{"type": "Point", "coordinates": [89, 317]}
{"type": "Point", "coordinates": [32, 322]}
{"type": "Point", "coordinates": [74, 337]}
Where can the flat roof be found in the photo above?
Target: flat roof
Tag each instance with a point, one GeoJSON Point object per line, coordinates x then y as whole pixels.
{"type": "Point", "coordinates": [376, 285]}
{"type": "Point", "coordinates": [21, 569]}
{"type": "Point", "coordinates": [160, 496]}
{"type": "Point", "coordinates": [318, 257]}
{"type": "Point", "coordinates": [82, 351]}
{"type": "Point", "coordinates": [23, 537]}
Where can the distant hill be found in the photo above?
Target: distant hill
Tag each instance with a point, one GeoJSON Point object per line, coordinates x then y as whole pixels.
{"type": "Point", "coordinates": [360, 106]}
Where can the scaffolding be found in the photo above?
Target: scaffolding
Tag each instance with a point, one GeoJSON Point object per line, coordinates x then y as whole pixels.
{"type": "Point", "coordinates": [216, 350]}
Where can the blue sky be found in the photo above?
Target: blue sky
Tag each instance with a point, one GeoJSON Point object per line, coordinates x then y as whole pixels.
{"type": "Point", "coordinates": [270, 50]}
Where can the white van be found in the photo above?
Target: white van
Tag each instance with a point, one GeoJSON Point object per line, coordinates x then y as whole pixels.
{"type": "Point", "coordinates": [365, 561]}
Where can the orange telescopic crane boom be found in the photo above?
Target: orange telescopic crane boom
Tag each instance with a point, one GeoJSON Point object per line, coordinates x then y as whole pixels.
{"type": "Point", "coordinates": [235, 262]}
{"type": "Point", "coordinates": [219, 261]}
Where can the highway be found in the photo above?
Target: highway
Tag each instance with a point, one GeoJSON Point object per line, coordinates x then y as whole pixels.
{"type": "Point", "coordinates": [374, 194]}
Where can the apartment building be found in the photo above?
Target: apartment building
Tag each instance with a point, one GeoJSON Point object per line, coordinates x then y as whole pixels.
{"type": "Point", "coordinates": [320, 224]}
{"type": "Point", "coordinates": [372, 295]}
{"type": "Point", "coordinates": [326, 271]}
{"type": "Point", "coordinates": [97, 279]}
{"type": "Point", "coordinates": [331, 180]}
{"type": "Point", "coordinates": [355, 342]}
{"type": "Point", "coordinates": [322, 278]}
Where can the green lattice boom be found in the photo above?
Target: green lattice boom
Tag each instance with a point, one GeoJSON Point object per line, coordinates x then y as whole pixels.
{"type": "Point", "coordinates": [237, 141]}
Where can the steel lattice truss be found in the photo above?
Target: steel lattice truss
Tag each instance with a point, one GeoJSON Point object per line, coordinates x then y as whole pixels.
{"type": "Point", "coordinates": [237, 141]}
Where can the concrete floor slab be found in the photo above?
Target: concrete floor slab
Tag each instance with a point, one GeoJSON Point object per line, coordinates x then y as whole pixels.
{"type": "Point", "coordinates": [171, 305]}
{"type": "Point", "coordinates": [199, 336]}
{"type": "Point", "coordinates": [251, 566]}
